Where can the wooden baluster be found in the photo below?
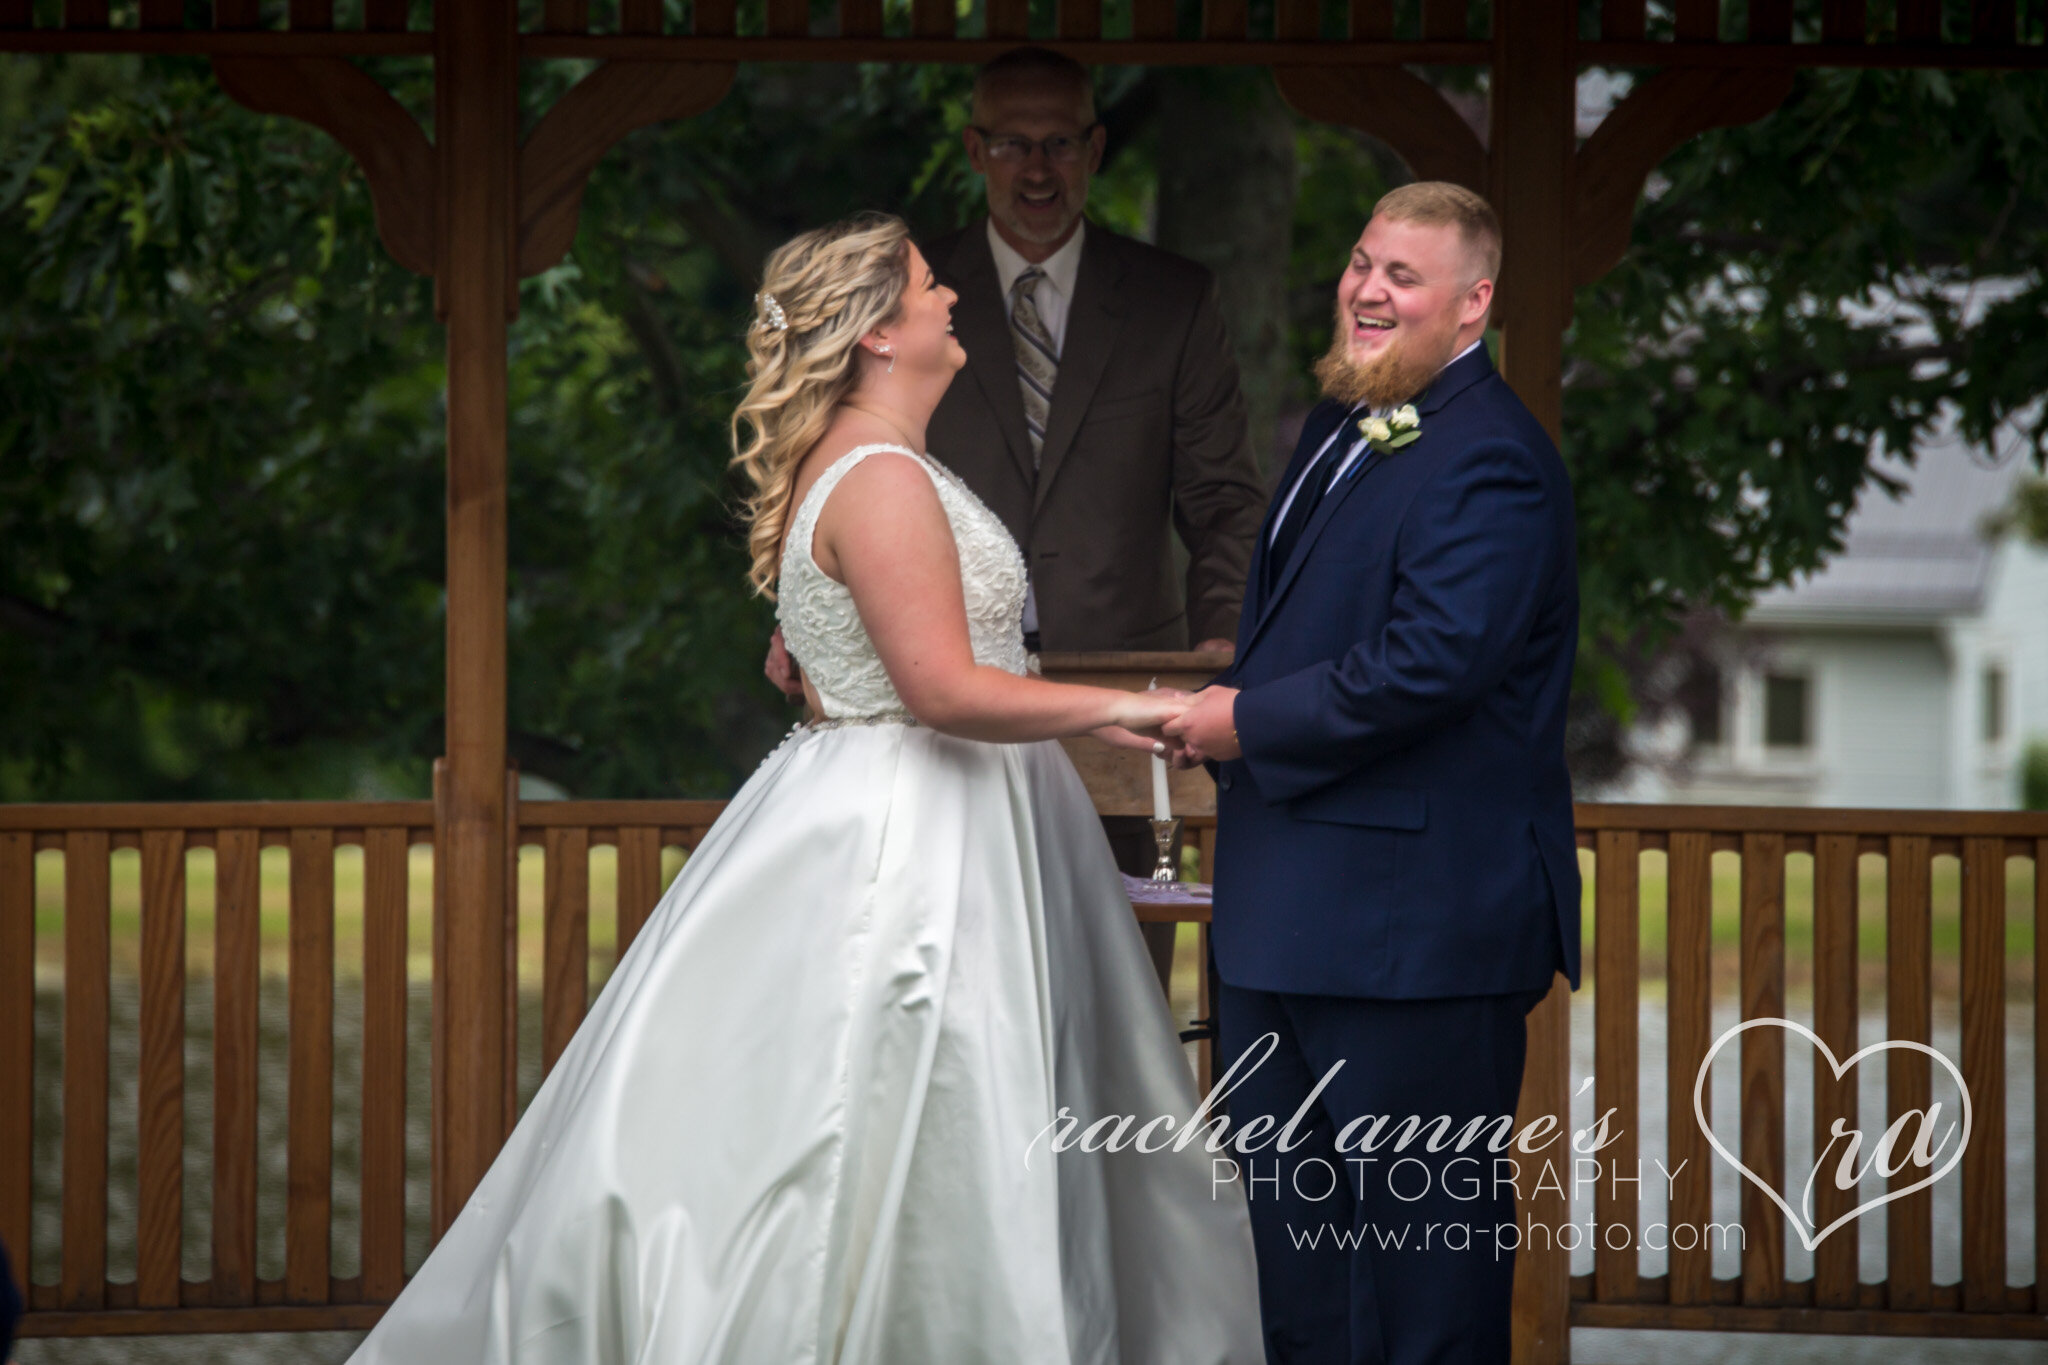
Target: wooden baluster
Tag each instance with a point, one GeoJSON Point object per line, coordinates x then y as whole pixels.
{"type": "Point", "coordinates": [1842, 21]}
{"type": "Point", "coordinates": [789, 18]}
{"type": "Point", "coordinates": [237, 14]}
{"type": "Point", "coordinates": [163, 14]}
{"type": "Point", "coordinates": [17, 1043]}
{"type": "Point", "coordinates": [1079, 20]}
{"type": "Point", "coordinates": [1617, 945]}
{"type": "Point", "coordinates": [565, 16]}
{"type": "Point", "coordinates": [714, 18]}
{"type": "Point", "coordinates": [1443, 21]}
{"type": "Point", "coordinates": [1621, 21]}
{"type": "Point", "coordinates": [83, 1280]}
{"type": "Point", "coordinates": [386, 922]}
{"type": "Point", "coordinates": [931, 18]}
{"type": "Point", "coordinates": [237, 907]}
{"type": "Point", "coordinates": [1225, 19]}
{"type": "Point", "coordinates": [565, 971]}
{"type": "Point", "coordinates": [1770, 21]}
{"type": "Point", "coordinates": [1689, 935]}
{"type": "Point", "coordinates": [311, 15]}
{"type": "Point", "coordinates": [1699, 21]}
{"type": "Point", "coordinates": [1299, 21]}
{"type": "Point", "coordinates": [1983, 987]}
{"type": "Point", "coordinates": [1205, 840]}
{"type": "Point", "coordinates": [160, 1097]}
{"type": "Point", "coordinates": [390, 16]}
{"type": "Point", "coordinates": [639, 880]}
{"type": "Point", "coordinates": [2040, 1075]}
{"type": "Point", "coordinates": [1993, 23]}
{"type": "Point", "coordinates": [640, 17]}
{"type": "Point", "coordinates": [85, 14]}
{"type": "Point", "coordinates": [1919, 21]}
{"type": "Point", "coordinates": [509, 1108]}
{"type": "Point", "coordinates": [1909, 1222]}
{"type": "Point", "coordinates": [1834, 1019]}
{"type": "Point", "coordinates": [1372, 21]}
{"type": "Point", "coordinates": [863, 19]}
{"type": "Point", "coordinates": [1150, 19]}
{"type": "Point", "coordinates": [1763, 1066]}
{"type": "Point", "coordinates": [16, 14]}
{"type": "Point", "coordinates": [309, 1156]}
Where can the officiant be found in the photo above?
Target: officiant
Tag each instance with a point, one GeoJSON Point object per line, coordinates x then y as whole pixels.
{"type": "Point", "coordinates": [1099, 412]}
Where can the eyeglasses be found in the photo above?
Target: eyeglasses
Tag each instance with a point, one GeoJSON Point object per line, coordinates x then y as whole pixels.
{"type": "Point", "coordinates": [1060, 150]}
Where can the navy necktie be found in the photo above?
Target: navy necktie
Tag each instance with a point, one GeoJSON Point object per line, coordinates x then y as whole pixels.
{"type": "Point", "coordinates": [1307, 497]}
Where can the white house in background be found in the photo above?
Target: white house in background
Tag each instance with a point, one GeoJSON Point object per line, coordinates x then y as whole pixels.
{"type": "Point", "coordinates": [1911, 670]}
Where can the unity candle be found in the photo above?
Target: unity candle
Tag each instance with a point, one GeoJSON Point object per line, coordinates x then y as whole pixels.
{"type": "Point", "coordinates": [1161, 806]}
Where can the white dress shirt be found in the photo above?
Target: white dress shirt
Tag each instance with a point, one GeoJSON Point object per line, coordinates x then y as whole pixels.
{"type": "Point", "coordinates": [1055, 292]}
{"type": "Point", "coordinates": [1051, 298]}
{"type": "Point", "coordinates": [1351, 455]}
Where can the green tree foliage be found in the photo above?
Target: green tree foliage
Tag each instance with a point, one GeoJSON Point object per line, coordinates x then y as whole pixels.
{"type": "Point", "coordinates": [221, 444]}
{"type": "Point", "coordinates": [1836, 279]}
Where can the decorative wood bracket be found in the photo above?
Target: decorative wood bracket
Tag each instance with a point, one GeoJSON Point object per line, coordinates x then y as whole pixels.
{"type": "Point", "coordinates": [1396, 106]}
{"type": "Point", "coordinates": [342, 101]}
{"type": "Point", "coordinates": [1654, 120]}
{"type": "Point", "coordinates": [565, 146]}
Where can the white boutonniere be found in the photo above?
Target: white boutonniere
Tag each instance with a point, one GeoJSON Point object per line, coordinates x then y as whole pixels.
{"type": "Point", "coordinates": [1398, 428]}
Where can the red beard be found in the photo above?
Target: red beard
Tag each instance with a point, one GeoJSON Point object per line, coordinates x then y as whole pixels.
{"type": "Point", "coordinates": [1389, 379]}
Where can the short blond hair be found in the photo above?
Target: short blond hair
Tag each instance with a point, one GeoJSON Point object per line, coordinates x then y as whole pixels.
{"type": "Point", "coordinates": [1439, 203]}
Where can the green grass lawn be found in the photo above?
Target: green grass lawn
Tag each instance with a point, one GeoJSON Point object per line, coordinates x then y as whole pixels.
{"type": "Point", "coordinates": [1945, 912]}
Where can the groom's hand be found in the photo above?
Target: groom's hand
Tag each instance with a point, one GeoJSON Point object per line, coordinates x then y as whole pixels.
{"type": "Point", "coordinates": [1206, 730]}
{"type": "Point", "coordinates": [781, 669]}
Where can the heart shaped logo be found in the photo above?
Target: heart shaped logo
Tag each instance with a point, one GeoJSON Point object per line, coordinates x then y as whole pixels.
{"type": "Point", "coordinates": [1803, 1225]}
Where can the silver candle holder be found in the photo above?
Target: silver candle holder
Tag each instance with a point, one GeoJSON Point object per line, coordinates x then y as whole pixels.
{"type": "Point", "coordinates": [1163, 834]}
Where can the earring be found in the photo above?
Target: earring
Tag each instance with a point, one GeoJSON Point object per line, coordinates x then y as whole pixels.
{"type": "Point", "coordinates": [889, 351]}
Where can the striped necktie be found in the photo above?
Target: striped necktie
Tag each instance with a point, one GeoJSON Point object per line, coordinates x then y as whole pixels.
{"type": "Point", "coordinates": [1038, 360]}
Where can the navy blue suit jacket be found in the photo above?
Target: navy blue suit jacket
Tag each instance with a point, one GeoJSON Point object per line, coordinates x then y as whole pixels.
{"type": "Point", "coordinates": [1400, 825]}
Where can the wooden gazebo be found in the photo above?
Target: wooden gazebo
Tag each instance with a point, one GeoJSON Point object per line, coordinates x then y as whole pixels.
{"type": "Point", "coordinates": [486, 203]}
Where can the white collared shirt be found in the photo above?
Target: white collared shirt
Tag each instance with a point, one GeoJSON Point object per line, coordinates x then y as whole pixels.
{"type": "Point", "coordinates": [1351, 455]}
{"type": "Point", "coordinates": [1055, 293]}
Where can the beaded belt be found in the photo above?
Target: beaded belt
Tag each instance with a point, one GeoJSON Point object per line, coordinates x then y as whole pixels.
{"type": "Point", "coordinates": [887, 718]}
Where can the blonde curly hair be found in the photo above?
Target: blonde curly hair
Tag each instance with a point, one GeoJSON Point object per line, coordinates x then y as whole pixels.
{"type": "Point", "coordinates": [821, 292]}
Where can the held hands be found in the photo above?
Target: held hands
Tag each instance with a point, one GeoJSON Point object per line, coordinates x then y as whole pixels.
{"type": "Point", "coordinates": [1207, 729]}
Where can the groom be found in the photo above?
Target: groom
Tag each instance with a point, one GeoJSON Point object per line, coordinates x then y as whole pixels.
{"type": "Point", "coordinates": [1396, 885]}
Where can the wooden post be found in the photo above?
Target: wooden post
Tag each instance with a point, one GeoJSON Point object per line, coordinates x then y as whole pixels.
{"type": "Point", "coordinates": [1530, 173]}
{"type": "Point", "coordinates": [476, 142]}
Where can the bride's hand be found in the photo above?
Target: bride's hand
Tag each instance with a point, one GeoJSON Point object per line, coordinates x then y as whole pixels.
{"type": "Point", "coordinates": [1143, 713]}
{"type": "Point", "coordinates": [1119, 738]}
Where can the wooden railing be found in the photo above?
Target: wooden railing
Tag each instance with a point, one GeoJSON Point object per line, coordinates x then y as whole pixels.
{"type": "Point", "coordinates": [1902, 849]}
{"type": "Point", "coordinates": [72, 1292]}
{"type": "Point", "coordinates": [1437, 32]}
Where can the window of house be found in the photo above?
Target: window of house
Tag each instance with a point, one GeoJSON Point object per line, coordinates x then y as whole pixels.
{"type": "Point", "coordinates": [1700, 697]}
{"type": "Point", "coordinates": [1994, 704]}
{"type": "Point", "coordinates": [1788, 722]}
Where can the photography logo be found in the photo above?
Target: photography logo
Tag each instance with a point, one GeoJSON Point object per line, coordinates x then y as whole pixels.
{"type": "Point", "coordinates": [1915, 1138]}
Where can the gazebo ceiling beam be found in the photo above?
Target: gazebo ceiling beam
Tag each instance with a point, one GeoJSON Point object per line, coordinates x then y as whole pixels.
{"type": "Point", "coordinates": [1220, 49]}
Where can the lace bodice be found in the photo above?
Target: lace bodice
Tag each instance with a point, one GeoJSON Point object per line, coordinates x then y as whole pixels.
{"type": "Point", "coordinates": [823, 631]}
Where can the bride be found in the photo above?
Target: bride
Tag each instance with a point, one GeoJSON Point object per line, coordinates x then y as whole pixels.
{"type": "Point", "coordinates": [798, 1124]}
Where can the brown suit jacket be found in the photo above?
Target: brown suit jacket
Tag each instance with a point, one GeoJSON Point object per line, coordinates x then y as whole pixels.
{"type": "Point", "coordinates": [1147, 432]}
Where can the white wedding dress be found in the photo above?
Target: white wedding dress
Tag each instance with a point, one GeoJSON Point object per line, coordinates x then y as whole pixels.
{"type": "Point", "coordinates": [795, 1125]}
